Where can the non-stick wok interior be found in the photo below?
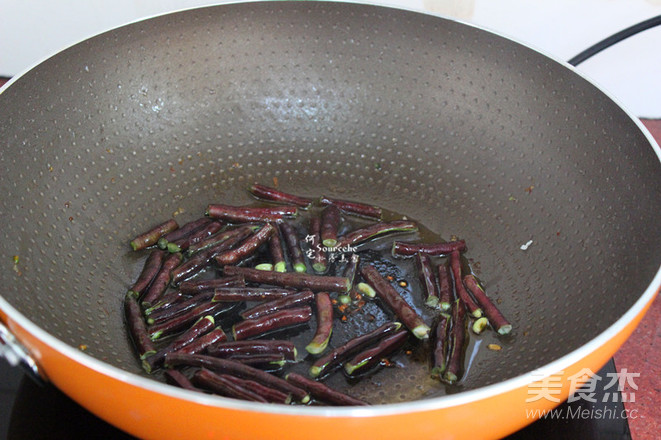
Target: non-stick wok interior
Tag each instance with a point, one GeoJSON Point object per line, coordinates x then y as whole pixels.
{"type": "Point", "coordinates": [467, 132]}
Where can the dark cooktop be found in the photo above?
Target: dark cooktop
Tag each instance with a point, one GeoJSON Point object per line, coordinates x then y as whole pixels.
{"type": "Point", "coordinates": [43, 412]}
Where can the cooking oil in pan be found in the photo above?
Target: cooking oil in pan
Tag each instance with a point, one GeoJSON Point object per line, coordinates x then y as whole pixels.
{"type": "Point", "coordinates": [403, 376]}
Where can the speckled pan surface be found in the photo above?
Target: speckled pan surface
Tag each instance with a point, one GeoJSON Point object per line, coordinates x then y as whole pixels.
{"type": "Point", "coordinates": [469, 133]}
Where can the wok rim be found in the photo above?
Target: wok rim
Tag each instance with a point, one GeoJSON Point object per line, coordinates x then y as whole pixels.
{"type": "Point", "coordinates": [421, 405]}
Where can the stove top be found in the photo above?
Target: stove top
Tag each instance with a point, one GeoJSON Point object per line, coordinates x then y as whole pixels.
{"type": "Point", "coordinates": [43, 412]}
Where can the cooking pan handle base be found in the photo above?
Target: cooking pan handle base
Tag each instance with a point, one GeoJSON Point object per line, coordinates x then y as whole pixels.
{"type": "Point", "coordinates": [18, 356]}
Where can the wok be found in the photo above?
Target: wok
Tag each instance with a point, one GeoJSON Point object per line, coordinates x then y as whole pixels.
{"type": "Point", "coordinates": [468, 132]}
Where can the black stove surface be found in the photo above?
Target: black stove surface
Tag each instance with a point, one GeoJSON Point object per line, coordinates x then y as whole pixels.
{"type": "Point", "coordinates": [43, 412]}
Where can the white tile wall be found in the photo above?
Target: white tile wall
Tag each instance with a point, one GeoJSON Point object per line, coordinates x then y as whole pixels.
{"type": "Point", "coordinates": [29, 31]}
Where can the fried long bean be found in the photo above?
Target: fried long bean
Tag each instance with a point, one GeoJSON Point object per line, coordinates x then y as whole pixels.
{"type": "Point", "coordinates": [294, 280]}
{"type": "Point", "coordinates": [330, 224]}
{"type": "Point", "coordinates": [270, 394]}
{"type": "Point", "coordinates": [194, 287]}
{"type": "Point", "coordinates": [267, 362]}
{"type": "Point", "coordinates": [234, 294]}
{"type": "Point", "coordinates": [271, 322]}
{"type": "Point", "coordinates": [177, 378]}
{"type": "Point", "coordinates": [395, 302]}
{"type": "Point", "coordinates": [182, 306]}
{"type": "Point", "coordinates": [200, 260]}
{"type": "Point", "coordinates": [224, 386]}
{"type": "Point", "coordinates": [441, 345]}
{"type": "Point", "coordinates": [361, 209]}
{"type": "Point", "coordinates": [445, 288]}
{"type": "Point", "coordinates": [376, 230]}
{"type": "Point", "coordinates": [237, 369]}
{"type": "Point", "coordinates": [251, 214]}
{"type": "Point", "coordinates": [324, 330]}
{"type": "Point", "coordinates": [168, 300]}
{"type": "Point", "coordinates": [254, 347]}
{"type": "Point", "coordinates": [184, 320]}
{"type": "Point", "coordinates": [151, 237]}
{"type": "Point", "coordinates": [335, 357]}
{"type": "Point", "coordinates": [202, 326]}
{"type": "Point", "coordinates": [149, 271]}
{"type": "Point", "coordinates": [161, 280]}
{"type": "Point", "coordinates": [293, 246]}
{"type": "Point", "coordinates": [496, 319]}
{"type": "Point", "coordinates": [183, 232]}
{"type": "Point", "coordinates": [276, 252]}
{"type": "Point", "coordinates": [427, 278]}
{"type": "Point", "coordinates": [246, 248]}
{"type": "Point", "coordinates": [199, 345]}
{"type": "Point", "coordinates": [292, 300]}
{"type": "Point", "coordinates": [455, 265]}
{"type": "Point", "coordinates": [351, 269]}
{"type": "Point", "coordinates": [319, 257]}
{"type": "Point", "coordinates": [323, 392]}
{"type": "Point", "coordinates": [194, 238]}
{"type": "Point", "coordinates": [199, 328]}
{"type": "Point", "coordinates": [457, 338]}
{"type": "Point", "coordinates": [274, 195]}
{"type": "Point", "coordinates": [137, 327]}
{"type": "Point", "coordinates": [372, 356]}
{"type": "Point", "coordinates": [217, 237]}
{"type": "Point", "coordinates": [404, 248]}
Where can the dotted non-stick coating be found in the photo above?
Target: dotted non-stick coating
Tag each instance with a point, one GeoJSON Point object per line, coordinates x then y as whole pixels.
{"type": "Point", "coordinates": [470, 133]}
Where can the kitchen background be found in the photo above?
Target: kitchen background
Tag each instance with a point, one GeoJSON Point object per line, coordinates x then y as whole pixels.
{"type": "Point", "coordinates": [629, 71]}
